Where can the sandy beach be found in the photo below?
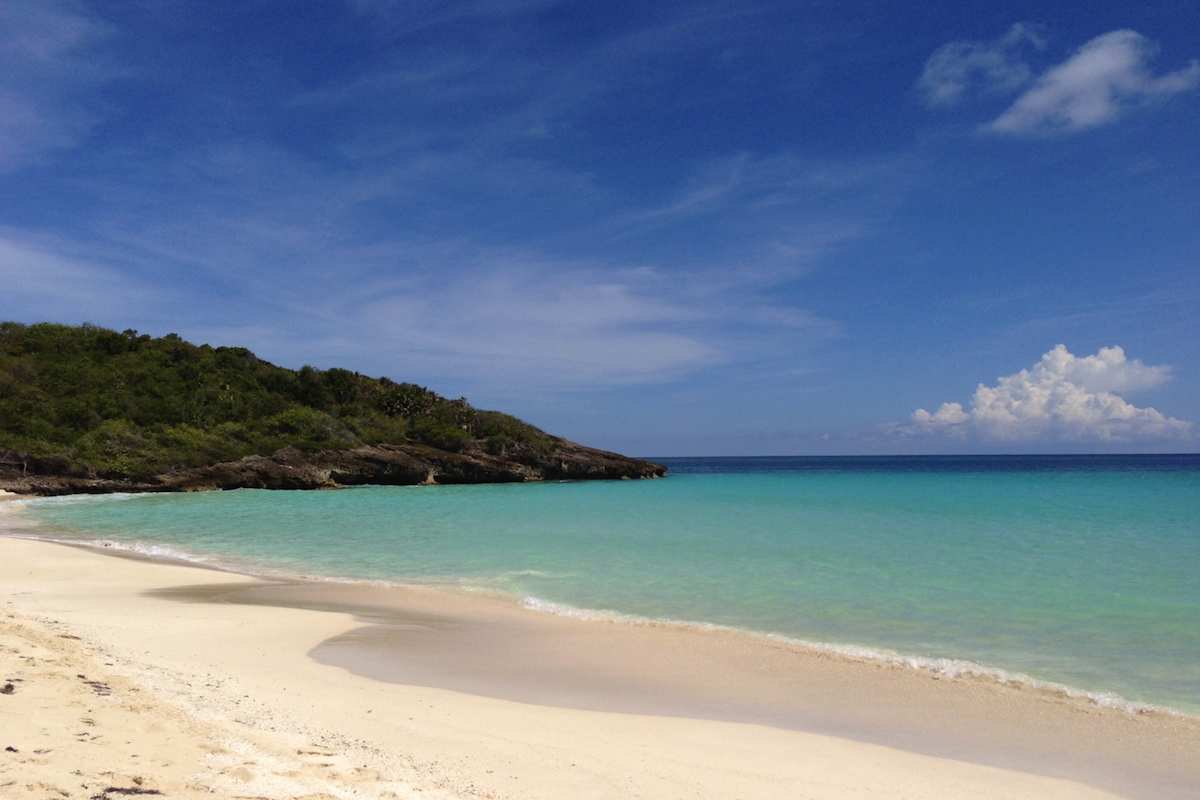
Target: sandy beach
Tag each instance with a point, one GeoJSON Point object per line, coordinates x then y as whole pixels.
{"type": "Point", "coordinates": [123, 676]}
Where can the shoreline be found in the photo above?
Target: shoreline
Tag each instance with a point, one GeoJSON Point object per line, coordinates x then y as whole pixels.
{"type": "Point", "coordinates": [428, 636]}
{"type": "Point", "coordinates": [936, 667]}
{"type": "Point", "coordinates": [941, 667]}
{"type": "Point", "coordinates": [272, 652]}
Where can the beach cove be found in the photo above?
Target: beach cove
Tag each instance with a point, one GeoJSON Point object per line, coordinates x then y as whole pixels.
{"type": "Point", "coordinates": [120, 686]}
{"type": "Point", "coordinates": [1077, 572]}
{"type": "Point", "coordinates": [519, 641]}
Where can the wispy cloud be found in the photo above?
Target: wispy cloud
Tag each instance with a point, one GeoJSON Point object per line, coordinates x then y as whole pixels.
{"type": "Point", "coordinates": [1103, 80]}
{"type": "Point", "coordinates": [399, 14]}
{"type": "Point", "coordinates": [1062, 398]}
{"type": "Point", "coordinates": [546, 324]}
{"type": "Point", "coordinates": [767, 220]}
{"type": "Point", "coordinates": [273, 255]}
{"type": "Point", "coordinates": [957, 68]}
{"type": "Point", "coordinates": [491, 92]}
{"type": "Point", "coordinates": [1107, 77]}
{"type": "Point", "coordinates": [48, 65]}
{"type": "Point", "coordinates": [442, 233]}
{"type": "Point", "coordinates": [42, 280]}
{"type": "Point", "coordinates": [759, 183]}
{"type": "Point", "coordinates": [503, 318]}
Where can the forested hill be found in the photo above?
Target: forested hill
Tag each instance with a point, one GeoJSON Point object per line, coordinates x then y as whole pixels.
{"type": "Point", "coordinates": [91, 404]}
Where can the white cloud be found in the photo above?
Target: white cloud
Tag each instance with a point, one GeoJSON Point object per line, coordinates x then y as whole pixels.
{"type": "Point", "coordinates": [514, 320]}
{"type": "Point", "coordinates": [544, 324]}
{"type": "Point", "coordinates": [279, 263]}
{"type": "Point", "coordinates": [1106, 77]}
{"type": "Point", "coordinates": [36, 282]}
{"type": "Point", "coordinates": [46, 69]}
{"type": "Point", "coordinates": [994, 66]}
{"type": "Point", "coordinates": [1063, 398]}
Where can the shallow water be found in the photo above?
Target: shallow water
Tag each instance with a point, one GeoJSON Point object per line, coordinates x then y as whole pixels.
{"type": "Point", "coordinates": [1082, 571]}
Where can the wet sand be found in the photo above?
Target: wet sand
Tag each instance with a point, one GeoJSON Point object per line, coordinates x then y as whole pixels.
{"type": "Point", "coordinates": [489, 646]}
{"type": "Point", "coordinates": [296, 689]}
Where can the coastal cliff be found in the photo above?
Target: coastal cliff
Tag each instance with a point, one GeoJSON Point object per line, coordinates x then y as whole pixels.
{"type": "Point", "coordinates": [89, 410]}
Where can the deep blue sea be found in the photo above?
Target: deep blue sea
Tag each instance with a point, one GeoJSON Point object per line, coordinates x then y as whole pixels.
{"type": "Point", "coordinates": [1082, 571]}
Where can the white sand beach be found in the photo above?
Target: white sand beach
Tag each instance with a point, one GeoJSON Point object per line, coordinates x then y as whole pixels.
{"type": "Point", "coordinates": [111, 691]}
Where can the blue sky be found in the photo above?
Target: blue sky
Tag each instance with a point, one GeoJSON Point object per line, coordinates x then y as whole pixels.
{"type": "Point", "coordinates": [668, 229]}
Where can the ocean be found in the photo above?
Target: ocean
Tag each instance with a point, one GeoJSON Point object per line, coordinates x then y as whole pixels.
{"type": "Point", "coordinates": [1077, 571]}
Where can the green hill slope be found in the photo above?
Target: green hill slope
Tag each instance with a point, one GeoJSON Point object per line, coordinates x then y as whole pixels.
{"type": "Point", "coordinates": [123, 405]}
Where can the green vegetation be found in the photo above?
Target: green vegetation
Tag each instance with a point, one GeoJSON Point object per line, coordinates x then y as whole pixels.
{"type": "Point", "coordinates": [124, 404]}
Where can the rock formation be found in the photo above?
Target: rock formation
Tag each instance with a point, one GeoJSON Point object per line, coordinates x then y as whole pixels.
{"type": "Point", "coordinates": [289, 468]}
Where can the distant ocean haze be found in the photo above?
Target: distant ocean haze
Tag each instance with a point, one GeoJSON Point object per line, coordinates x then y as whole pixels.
{"type": "Point", "coordinates": [1076, 570]}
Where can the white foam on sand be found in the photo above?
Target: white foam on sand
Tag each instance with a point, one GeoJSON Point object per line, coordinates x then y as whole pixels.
{"type": "Point", "coordinates": [951, 668]}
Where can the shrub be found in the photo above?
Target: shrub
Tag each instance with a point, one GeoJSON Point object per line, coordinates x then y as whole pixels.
{"type": "Point", "coordinates": [132, 404]}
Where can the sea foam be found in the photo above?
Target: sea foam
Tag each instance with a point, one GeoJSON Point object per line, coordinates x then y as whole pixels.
{"type": "Point", "coordinates": [951, 668]}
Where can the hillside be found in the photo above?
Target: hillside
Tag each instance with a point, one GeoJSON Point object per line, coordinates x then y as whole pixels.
{"type": "Point", "coordinates": [89, 409]}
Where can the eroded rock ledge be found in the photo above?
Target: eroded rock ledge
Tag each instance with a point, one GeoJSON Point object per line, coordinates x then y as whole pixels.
{"type": "Point", "coordinates": [289, 468]}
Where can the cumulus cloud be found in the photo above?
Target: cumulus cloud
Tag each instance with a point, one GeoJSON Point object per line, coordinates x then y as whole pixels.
{"type": "Point", "coordinates": [1106, 77]}
{"type": "Point", "coordinates": [956, 67]}
{"type": "Point", "coordinates": [1063, 397]}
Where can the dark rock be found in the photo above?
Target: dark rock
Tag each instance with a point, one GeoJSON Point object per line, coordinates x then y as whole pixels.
{"type": "Point", "coordinates": [289, 468]}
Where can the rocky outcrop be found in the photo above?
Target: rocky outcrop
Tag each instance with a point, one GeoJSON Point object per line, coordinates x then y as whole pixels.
{"type": "Point", "coordinates": [397, 465]}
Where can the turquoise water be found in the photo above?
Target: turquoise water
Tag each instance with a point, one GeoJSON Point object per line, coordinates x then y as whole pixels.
{"type": "Point", "coordinates": [1080, 571]}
